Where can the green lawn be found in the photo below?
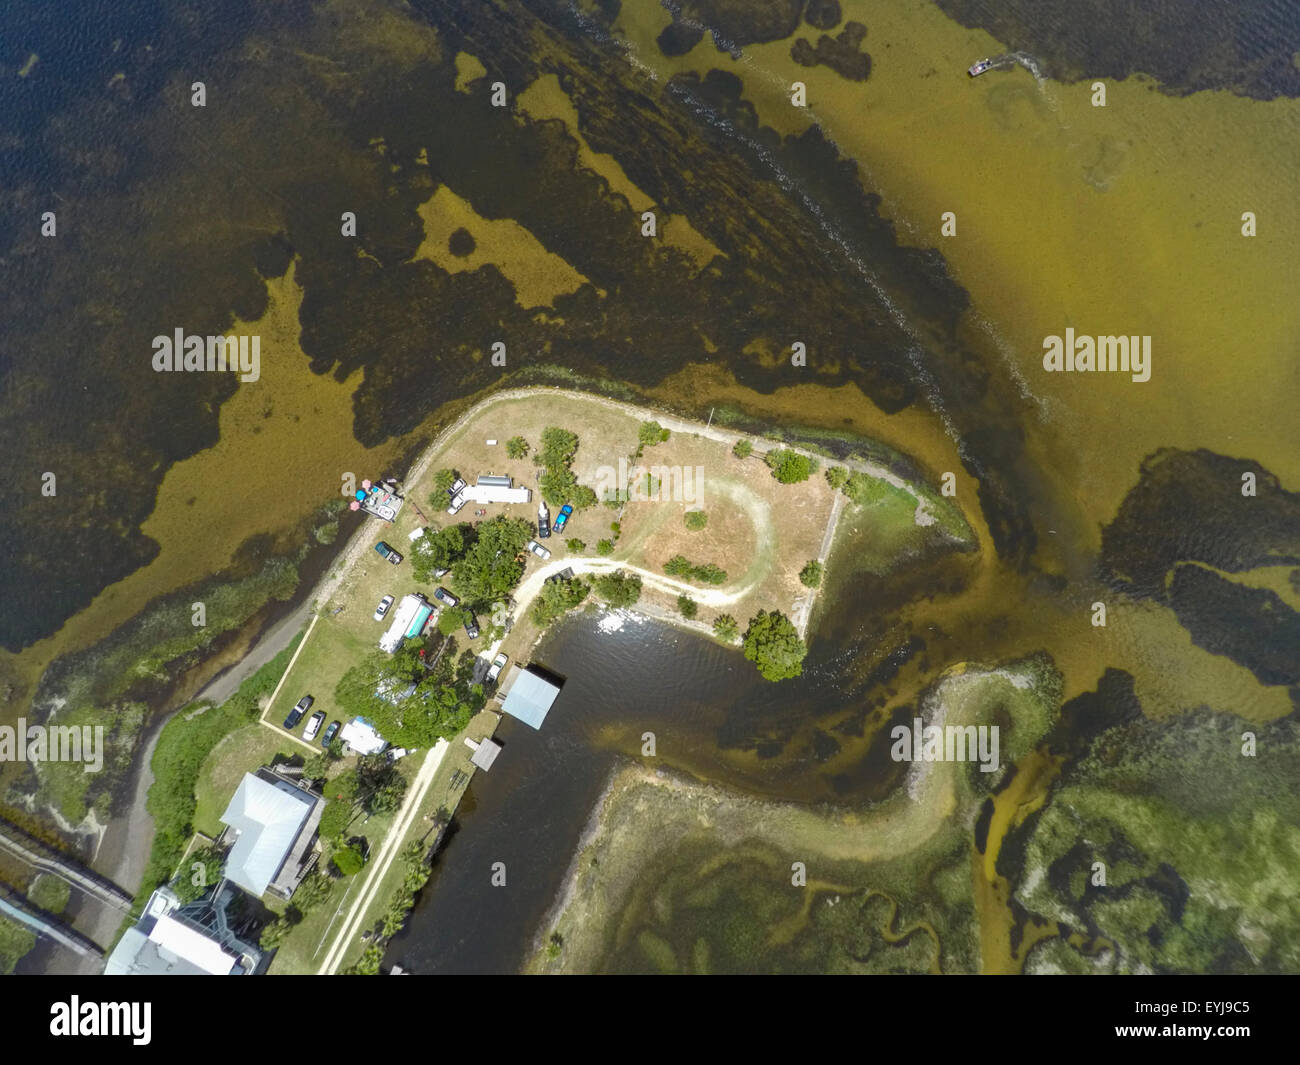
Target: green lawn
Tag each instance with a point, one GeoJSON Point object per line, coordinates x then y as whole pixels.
{"type": "Point", "coordinates": [334, 648]}
{"type": "Point", "coordinates": [242, 751]}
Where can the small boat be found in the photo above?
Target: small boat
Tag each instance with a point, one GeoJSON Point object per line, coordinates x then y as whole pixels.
{"type": "Point", "coordinates": [979, 68]}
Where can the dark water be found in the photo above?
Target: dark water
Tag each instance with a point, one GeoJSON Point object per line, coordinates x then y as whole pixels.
{"type": "Point", "coordinates": [699, 699]}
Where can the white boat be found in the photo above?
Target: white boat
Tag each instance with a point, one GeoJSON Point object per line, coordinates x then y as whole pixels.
{"type": "Point", "coordinates": [979, 68]}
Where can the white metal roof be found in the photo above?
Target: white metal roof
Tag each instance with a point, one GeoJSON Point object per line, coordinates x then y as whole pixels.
{"type": "Point", "coordinates": [268, 818]}
{"type": "Point", "coordinates": [192, 946]}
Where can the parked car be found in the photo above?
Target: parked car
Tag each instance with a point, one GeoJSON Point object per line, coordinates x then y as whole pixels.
{"type": "Point", "coordinates": [445, 597]}
{"type": "Point", "coordinates": [295, 715]}
{"type": "Point", "coordinates": [383, 606]}
{"type": "Point", "coordinates": [394, 753]}
{"type": "Point", "coordinates": [457, 500]}
{"type": "Point", "coordinates": [543, 522]}
{"type": "Point", "coordinates": [387, 552]}
{"type": "Point", "coordinates": [471, 627]}
{"type": "Point", "coordinates": [538, 550]}
{"type": "Point", "coordinates": [562, 518]}
{"type": "Point", "coordinates": [498, 664]}
{"type": "Point", "coordinates": [313, 725]}
{"type": "Point", "coordinates": [327, 737]}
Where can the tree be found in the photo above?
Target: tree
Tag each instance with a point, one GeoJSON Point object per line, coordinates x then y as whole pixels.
{"type": "Point", "coordinates": [725, 627]}
{"type": "Point", "coordinates": [312, 892]}
{"type": "Point", "coordinates": [440, 550]}
{"type": "Point", "coordinates": [558, 446]}
{"type": "Point", "coordinates": [335, 818]}
{"type": "Point", "coordinates": [191, 882]}
{"type": "Point", "coordinates": [618, 588]}
{"type": "Point", "coordinates": [743, 449]}
{"type": "Point", "coordinates": [388, 799]}
{"type": "Point", "coordinates": [348, 860]}
{"type": "Point", "coordinates": [651, 433]}
{"type": "Point", "coordinates": [583, 497]}
{"type": "Point", "coordinates": [837, 477]}
{"type": "Point", "coordinates": [772, 643]}
{"type": "Point", "coordinates": [556, 598]}
{"type": "Point", "coordinates": [604, 547]}
{"type": "Point", "coordinates": [789, 467]}
{"type": "Point", "coordinates": [696, 520]}
{"type": "Point", "coordinates": [442, 482]}
{"type": "Point", "coordinates": [811, 574]}
{"type": "Point", "coordinates": [274, 933]}
{"type": "Point", "coordinates": [516, 447]}
{"type": "Point", "coordinates": [493, 566]}
{"type": "Point", "coordinates": [688, 606]}
{"type": "Point", "coordinates": [865, 490]}
{"type": "Point", "coordinates": [316, 767]}
{"type": "Point", "coordinates": [557, 485]}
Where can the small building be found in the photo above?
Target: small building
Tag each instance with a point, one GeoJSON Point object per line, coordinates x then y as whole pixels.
{"type": "Point", "coordinates": [195, 939]}
{"type": "Point", "coordinates": [485, 752]}
{"type": "Point", "coordinates": [527, 695]}
{"type": "Point", "coordinates": [409, 619]}
{"type": "Point", "coordinates": [489, 488]}
{"type": "Point", "coordinates": [274, 823]}
{"type": "Point", "coordinates": [360, 737]}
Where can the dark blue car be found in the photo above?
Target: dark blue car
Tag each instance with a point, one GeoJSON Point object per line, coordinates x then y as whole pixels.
{"type": "Point", "coordinates": [295, 715]}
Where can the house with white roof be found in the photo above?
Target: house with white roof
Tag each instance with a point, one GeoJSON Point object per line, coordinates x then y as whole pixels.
{"type": "Point", "coordinates": [273, 822]}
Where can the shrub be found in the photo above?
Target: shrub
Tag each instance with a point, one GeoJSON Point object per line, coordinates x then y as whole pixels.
{"type": "Point", "coordinates": [556, 598]}
{"type": "Point", "coordinates": [837, 477]}
{"type": "Point", "coordinates": [604, 547]}
{"type": "Point", "coordinates": [743, 449]}
{"type": "Point", "coordinates": [789, 467]}
{"type": "Point", "coordinates": [651, 433]}
{"type": "Point", "coordinates": [696, 520]}
{"type": "Point", "coordinates": [348, 860]}
{"type": "Point", "coordinates": [688, 606]}
{"type": "Point", "coordinates": [574, 544]}
{"type": "Point", "coordinates": [618, 588]}
{"type": "Point", "coordinates": [811, 574]}
{"type": "Point", "coordinates": [678, 566]}
{"type": "Point", "coordinates": [710, 573]}
{"type": "Point", "coordinates": [725, 627]}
